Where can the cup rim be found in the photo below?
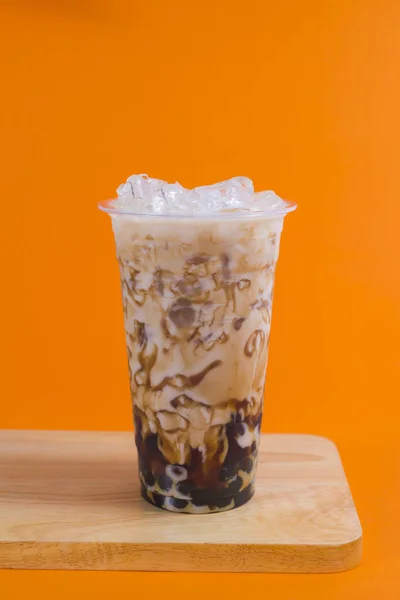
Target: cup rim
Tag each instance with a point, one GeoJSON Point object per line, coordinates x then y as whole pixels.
{"type": "Point", "coordinates": [107, 207]}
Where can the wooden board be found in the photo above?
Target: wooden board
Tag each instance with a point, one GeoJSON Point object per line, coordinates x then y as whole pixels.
{"type": "Point", "coordinates": [70, 500]}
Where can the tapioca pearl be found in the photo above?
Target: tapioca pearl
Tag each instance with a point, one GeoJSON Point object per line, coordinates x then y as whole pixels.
{"type": "Point", "coordinates": [247, 479]}
{"type": "Point", "coordinates": [247, 465]}
{"type": "Point", "coordinates": [178, 503]}
{"type": "Point", "coordinates": [200, 497]}
{"type": "Point", "coordinates": [253, 447]}
{"type": "Point", "coordinates": [227, 472]}
{"type": "Point", "coordinates": [176, 472]}
{"type": "Point", "coordinates": [185, 488]}
{"type": "Point", "coordinates": [158, 500]}
{"type": "Point", "coordinates": [235, 485]}
{"type": "Point", "coordinates": [222, 502]}
{"type": "Point", "coordinates": [164, 482]}
{"type": "Point", "coordinates": [149, 478]}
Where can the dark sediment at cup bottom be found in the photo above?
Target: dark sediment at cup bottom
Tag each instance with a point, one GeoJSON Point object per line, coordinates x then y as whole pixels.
{"type": "Point", "coordinates": [210, 503]}
{"type": "Point", "coordinates": [218, 478]}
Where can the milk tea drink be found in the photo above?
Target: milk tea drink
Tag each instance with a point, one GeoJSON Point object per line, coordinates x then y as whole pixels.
{"type": "Point", "coordinates": [197, 273]}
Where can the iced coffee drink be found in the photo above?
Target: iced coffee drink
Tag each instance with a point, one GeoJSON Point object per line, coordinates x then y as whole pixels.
{"type": "Point", "coordinates": [197, 273]}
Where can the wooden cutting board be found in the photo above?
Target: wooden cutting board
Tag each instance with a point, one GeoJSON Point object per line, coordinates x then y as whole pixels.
{"type": "Point", "coordinates": [70, 500]}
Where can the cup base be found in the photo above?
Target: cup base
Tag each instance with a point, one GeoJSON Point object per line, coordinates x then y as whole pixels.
{"type": "Point", "coordinates": [181, 505]}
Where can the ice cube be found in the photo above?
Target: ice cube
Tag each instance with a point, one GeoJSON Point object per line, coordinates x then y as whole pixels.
{"type": "Point", "coordinates": [125, 189]}
{"type": "Point", "coordinates": [140, 185]}
{"type": "Point", "coordinates": [172, 193]}
{"type": "Point", "coordinates": [237, 192]}
{"type": "Point", "coordinates": [231, 193]}
{"type": "Point", "coordinates": [144, 194]}
{"type": "Point", "coordinates": [237, 186]}
{"type": "Point", "coordinates": [246, 183]}
{"type": "Point", "coordinates": [206, 198]}
{"type": "Point", "coordinates": [268, 200]}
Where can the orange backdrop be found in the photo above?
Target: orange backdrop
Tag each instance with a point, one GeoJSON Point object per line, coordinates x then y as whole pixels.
{"type": "Point", "coordinates": [302, 96]}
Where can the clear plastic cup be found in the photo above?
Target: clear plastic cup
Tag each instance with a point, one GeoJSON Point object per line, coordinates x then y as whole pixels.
{"type": "Point", "coordinates": [197, 298]}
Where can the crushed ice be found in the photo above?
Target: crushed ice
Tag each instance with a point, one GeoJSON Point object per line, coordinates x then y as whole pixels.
{"type": "Point", "coordinates": [143, 195]}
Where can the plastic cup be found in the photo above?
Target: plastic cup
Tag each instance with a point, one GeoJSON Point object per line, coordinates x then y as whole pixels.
{"type": "Point", "coordinates": [197, 298]}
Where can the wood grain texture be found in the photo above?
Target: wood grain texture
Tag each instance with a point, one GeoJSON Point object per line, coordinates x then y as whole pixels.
{"type": "Point", "coordinates": [70, 500]}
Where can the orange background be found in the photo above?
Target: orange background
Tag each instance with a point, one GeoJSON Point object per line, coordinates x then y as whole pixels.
{"type": "Point", "coordinates": [302, 96]}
